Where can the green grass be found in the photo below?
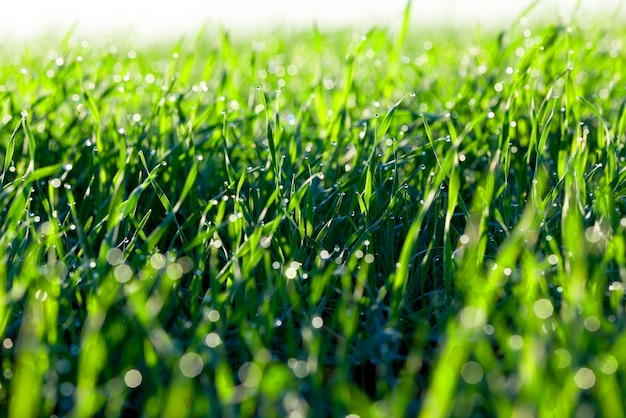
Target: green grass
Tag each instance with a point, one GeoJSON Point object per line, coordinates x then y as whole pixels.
{"type": "Point", "coordinates": [399, 223]}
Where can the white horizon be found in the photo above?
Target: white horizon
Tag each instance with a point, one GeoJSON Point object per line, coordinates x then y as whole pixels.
{"type": "Point", "coordinates": [158, 19]}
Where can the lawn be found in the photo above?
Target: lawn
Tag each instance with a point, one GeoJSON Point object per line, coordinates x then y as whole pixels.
{"type": "Point", "coordinates": [395, 223]}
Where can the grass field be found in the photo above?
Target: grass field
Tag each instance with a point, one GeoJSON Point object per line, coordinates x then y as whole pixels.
{"type": "Point", "coordinates": [387, 224]}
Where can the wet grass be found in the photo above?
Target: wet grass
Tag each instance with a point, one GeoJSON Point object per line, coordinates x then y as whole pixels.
{"type": "Point", "coordinates": [378, 224]}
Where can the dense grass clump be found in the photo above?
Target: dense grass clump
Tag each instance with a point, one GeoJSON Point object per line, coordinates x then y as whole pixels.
{"type": "Point", "coordinates": [322, 225]}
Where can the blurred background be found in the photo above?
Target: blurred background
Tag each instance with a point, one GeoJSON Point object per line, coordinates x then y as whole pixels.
{"type": "Point", "coordinates": [154, 19]}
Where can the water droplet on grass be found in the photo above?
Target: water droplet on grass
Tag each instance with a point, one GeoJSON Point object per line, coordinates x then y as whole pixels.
{"type": "Point", "coordinates": [123, 273]}
{"type": "Point", "coordinates": [191, 364]}
{"type": "Point", "coordinates": [41, 295]}
{"type": "Point", "coordinates": [133, 378]}
{"type": "Point", "coordinates": [472, 372]}
{"type": "Point", "coordinates": [516, 342]}
{"type": "Point", "coordinates": [213, 340]}
{"type": "Point", "coordinates": [585, 378]}
{"type": "Point", "coordinates": [317, 322]}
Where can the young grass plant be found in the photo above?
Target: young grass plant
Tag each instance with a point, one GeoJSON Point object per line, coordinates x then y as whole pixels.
{"type": "Point", "coordinates": [428, 224]}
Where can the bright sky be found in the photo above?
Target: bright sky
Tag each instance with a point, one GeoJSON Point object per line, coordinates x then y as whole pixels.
{"type": "Point", "coordinates": [156, 18]}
